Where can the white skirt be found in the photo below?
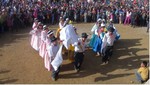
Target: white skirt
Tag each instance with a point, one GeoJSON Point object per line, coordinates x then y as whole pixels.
{"type": "Point", "coordinates": [35, 42]}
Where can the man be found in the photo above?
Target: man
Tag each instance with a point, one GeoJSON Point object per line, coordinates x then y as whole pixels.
{"type": "Point", "coordinates": [107, 45]}
{"type": "Point", "coordinates": [52, 51]}
{"type": "Point", "coordinates": [79, 51]}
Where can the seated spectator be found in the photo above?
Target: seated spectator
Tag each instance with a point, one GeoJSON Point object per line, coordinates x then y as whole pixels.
{"type": "Point", "coordinates": [142, 74]}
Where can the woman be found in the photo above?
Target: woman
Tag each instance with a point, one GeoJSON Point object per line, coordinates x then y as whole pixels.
{"type": "Point", "coordinates": [99, 36]}
{"type": "Point", "coordinates": [42, 48]}
{"type": "Point", "coordinates": [96, 26]}
{"type": "Point", "coordinates": [36, 41]}
{"type": "Point", "coordinates": [32, 32]}
{"type": "Point", "coordinates": [128, 17]}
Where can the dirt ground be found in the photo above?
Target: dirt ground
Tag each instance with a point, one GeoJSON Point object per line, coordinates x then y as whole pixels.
{"type": "Point", "coordinates": [19, 63]}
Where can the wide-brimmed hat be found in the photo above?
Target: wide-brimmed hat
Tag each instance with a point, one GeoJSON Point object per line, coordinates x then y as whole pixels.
{"type": "Point", "coordinates": [53, 39]}
{"type": "Point", "coordinates": [111, 29]}
{"type": "Point", "coordinates": [84, 35]}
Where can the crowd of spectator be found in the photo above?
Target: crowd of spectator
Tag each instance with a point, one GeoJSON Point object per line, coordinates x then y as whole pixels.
{"type": "Point", "coordinates": [16, 14]}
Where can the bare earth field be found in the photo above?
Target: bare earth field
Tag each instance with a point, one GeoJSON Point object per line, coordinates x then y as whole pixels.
{"type": "Point", "coordinates": [19, 63]}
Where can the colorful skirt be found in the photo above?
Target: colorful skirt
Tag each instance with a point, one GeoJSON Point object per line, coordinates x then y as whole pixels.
{"type": "Point", "coordinates": [92, 41]}
{"type": "Point", "coordinates": [97, 45]}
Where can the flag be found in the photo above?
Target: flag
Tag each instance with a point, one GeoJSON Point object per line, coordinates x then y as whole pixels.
{"type": "Point", "coordinates": [68, 36]}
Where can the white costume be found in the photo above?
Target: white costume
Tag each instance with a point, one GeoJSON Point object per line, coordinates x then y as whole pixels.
{"type": "Point", "coordinates": [52, 51]}
{"type": "Point", "coordinates": [61, 25]}
{"type": "Point", "coordinates": [58, 59]}
{"type": "Point", "coordinates": [68, 35]}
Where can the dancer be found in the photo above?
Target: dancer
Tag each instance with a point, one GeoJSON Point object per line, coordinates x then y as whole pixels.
{"type": "Point", "coordinates": [79, 51]}
{"type": "Point", "coordinates": [42, 48]}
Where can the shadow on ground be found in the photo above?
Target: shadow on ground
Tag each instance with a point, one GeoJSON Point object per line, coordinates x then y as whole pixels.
{"type": "Point", "coordinates": [92, 64]}
{"type": "Point", "coordinates": [20, 35]}
{"type": "Point", "coordinates": [6, 80]}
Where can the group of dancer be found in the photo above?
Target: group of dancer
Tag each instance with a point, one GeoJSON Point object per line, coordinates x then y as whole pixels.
{"type": "Point", "coordinates": [50, 47]}
{"type": "Point", "coordinates": [67, 43]}
{"type": "Point", "coordinates": [103, 38]}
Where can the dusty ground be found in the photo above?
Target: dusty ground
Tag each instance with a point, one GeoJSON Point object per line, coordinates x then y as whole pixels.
{"type": "Point", "coordinates": [19, 63]}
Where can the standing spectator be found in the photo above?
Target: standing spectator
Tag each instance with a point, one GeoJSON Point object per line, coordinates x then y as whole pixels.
{"type": "Point", "coordinates": [85, 16]}
{"type": "Point", "coordinates": [9, 23]}
{"type": "Point", "coordinates": [128, 17]}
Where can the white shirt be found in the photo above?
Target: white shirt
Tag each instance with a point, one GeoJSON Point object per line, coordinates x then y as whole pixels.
{"type": "Point", "coordinates": [109, 39]}
{"type": "Point", "coordinates": [128, 14]}
{"type": "Point", "coordinates": [52, 51]}
{"type": "Point", "coordinates": [81, 47]}
{"type": "Point", "coordinates": [94, 28]}
{"type": "Point", "coordinates": [48, 43]}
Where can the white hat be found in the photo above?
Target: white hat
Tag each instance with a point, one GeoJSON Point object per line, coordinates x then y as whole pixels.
{"type": "Point", "coordinates": [111, 20]}
{"type": "Point", "coordinates": [102, 24]}
{"type": "Point", "coordinates": [39, 23]}
{"type": "Point", "coordinates": [67, 19]}
{"type": "Point", "coordinates": [61, 17]}
{"type": "Point", "coordinates": [99, 20]}
{"type": "Point", "coordinates": [103, 19]}
{"type": "Point", "coordinates": [44, 26]}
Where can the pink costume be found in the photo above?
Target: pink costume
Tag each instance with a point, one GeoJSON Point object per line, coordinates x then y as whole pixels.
{"type": "Point", "coordinates": [32, 32]}
{"type": "Point", "coordinates": [35, 40]}
{"type": "Point", "coordinates": [128, 18]}
{"type": "Point", "coordinates": [46, 57]}
{"type": "Point", "coordinates": [42, 48]}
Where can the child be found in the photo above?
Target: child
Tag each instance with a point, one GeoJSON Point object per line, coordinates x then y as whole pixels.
{"type": "Point", "coordinates": [79, 51]}
{"type": "Point", "coordinates": [50, 34]}
{"type": "Point", "coordinates": [42, 48]}
{"type": "Point", "coordinates": [143, 73]}
{"type": "Point", "coordinates": [53, 49]}
{"type": "Point", "coordinates": [107, 45]}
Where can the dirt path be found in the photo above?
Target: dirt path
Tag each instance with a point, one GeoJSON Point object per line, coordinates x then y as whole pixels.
{"type": "Point", "coordinates": [19, 63]}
